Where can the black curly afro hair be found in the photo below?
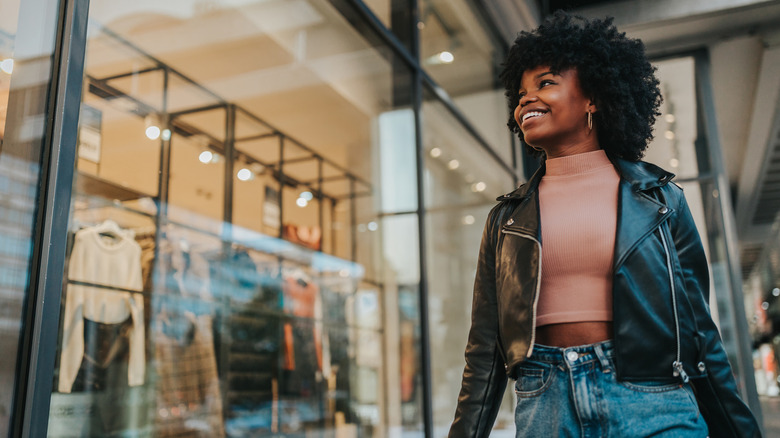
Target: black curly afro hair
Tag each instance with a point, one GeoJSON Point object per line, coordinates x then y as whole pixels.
{"type": "Point", "coordinates": [613, 71]}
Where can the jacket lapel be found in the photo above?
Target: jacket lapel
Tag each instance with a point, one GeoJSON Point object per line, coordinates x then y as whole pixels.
{"type": "Point", "coordinates": [639, 213]}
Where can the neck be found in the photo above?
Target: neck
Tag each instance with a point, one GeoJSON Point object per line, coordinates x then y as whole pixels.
{"type": "Point", "coordinates": [589, 143]}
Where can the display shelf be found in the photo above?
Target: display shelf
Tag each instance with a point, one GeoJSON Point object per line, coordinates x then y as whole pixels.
{"type": "Point", "coordinates": [92, 185]}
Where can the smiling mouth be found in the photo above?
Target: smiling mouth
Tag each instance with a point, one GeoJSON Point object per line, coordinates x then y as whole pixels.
{"type": "Point", "coordinates": [532, 114]}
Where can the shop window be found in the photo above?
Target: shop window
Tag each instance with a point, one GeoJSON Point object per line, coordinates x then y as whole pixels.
{"type": "Point", "coordinates": [229, 270]}
{"type": "Point", "coordinates": [462, 182]}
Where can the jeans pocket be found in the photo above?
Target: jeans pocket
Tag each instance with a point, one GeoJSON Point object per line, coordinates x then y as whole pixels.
{"type": "Point", "coordinates": [651, 386]}
{"type": "Point", "coordinates": [533, 379]}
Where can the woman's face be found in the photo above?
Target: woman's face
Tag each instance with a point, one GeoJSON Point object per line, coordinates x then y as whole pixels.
{"type": "Point", "coordinates": [553, 112]}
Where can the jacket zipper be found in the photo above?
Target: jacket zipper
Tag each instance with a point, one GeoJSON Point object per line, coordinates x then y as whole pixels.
{"type": "Point", "coordinates": [538, 285]}
{"type": "Point", "coordinates": [677, 366]}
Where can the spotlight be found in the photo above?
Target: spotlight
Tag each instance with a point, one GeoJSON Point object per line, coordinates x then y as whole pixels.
{"type": "Point", "coordinates": [478, 187]}
{"type": "Point", "coordinates": [453, 164]}
{"type": "Point", "coordinates": [468, 219]}
{"type": "Point", "coordinates": [776, 292]}
{"type": "Point", "coordinates": [306, 195]}
{"type": "Point", "coordinates": [205, 157]}
{"type": "Point", "coordinates": [7, 66]}
{"type": "Point", "coordinates": [669, 135]}
{"type": "Point", "coordinates": [446, 57]}
{"type": "Point", "coordinates": [245, 174]}
{"type": "Point", "coordinates": [372, 226]}
{"type": "Point", "coordinates": [153, 132]}
{"type": "Point", "coordinates": [301, 202]}
{"type": "Point", "coordinates": [435, 152]}
{"type": "Point", "coordinates": [669, 118]}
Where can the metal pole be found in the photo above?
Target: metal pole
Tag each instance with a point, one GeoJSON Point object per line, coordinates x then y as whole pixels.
{"type": "Point", "coordinates": [742, 335]}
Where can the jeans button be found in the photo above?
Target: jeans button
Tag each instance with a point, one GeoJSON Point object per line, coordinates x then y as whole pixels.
{"type": "Point", "coordinates": [572, 356]}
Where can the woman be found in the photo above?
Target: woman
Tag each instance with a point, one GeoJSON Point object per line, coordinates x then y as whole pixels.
{"type": "Point", "coordinates": [592, 284]}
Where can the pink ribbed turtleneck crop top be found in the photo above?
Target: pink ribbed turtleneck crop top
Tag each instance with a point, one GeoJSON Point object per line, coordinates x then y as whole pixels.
{"type": "Point", "coordinates": [578, 198]}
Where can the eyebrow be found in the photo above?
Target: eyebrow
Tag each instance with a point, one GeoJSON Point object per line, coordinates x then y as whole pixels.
{"type": "Point", "coordinates": [538, 76]}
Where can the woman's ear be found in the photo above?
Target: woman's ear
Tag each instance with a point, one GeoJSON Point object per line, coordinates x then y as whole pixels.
{"type": "Point", "coordinates": [592, 107]}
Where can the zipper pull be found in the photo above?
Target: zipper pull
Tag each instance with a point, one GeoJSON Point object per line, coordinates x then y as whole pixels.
{"type": "Point", "coordinates": [677, 366]}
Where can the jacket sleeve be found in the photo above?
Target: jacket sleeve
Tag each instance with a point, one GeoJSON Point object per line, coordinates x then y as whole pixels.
{"type": "Point", "coordinates": [726, 414]}
{"type": "Point", "coordinates": [484, 378]}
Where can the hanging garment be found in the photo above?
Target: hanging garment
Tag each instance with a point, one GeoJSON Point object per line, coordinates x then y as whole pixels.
{"type": "Point", "coordinates": [189, 402]}
{"type": "Point", "coordinates": [111, 261]}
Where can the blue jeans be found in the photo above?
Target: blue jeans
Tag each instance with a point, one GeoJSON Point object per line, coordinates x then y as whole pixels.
{"type": "Point", "coordinates": [573, 392]}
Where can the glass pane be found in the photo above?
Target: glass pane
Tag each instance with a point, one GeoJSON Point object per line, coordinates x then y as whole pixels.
{"type": "Point", "coordinates": [233, 271]}
{"type": "Point", "coordinates": [461, 184]}
{"type": "Point", "coordinates": [674, 145]}
{"type": "Point", "coordinates": [26, 46]}
{"type": "Point", "coordinates": [459, 55]}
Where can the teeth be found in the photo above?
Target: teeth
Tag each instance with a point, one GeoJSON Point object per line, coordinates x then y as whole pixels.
{"type": "Point", "coordinates": [530, 114]}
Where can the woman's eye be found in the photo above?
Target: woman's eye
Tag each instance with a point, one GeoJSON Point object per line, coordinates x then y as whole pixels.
{"type": "Point", "coordinates": [545, 83]}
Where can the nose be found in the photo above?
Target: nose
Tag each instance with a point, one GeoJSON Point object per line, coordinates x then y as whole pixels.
{"type": "Point", "coordinates": [526, 99]}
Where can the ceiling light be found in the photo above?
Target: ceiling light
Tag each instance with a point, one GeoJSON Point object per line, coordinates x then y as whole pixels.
{"type": "Point", "coordinates": [453, 164]}
{"type": "Point", "coordinates": [166, 134]}
{"type": "Point", "coordinates": [765, 305]}
{"type": "Point", "coordinates": [307, 196]}
{"type": "Point", "coordinates": [245, 174]}
{"type": "Point", "coordinates": [7, 66]}
{"type": "Point", "coordinates": [669, 135]}
{"type": "Point", "coordinates": [776, 292]}
{"type": "Point", "coordinates": [669, 118]}
{"type": "Point", "coordinates": [478, 187]}
{"type": "Point", "coordinates": [373, 226]}
{"type": "Point", "coordinates": [205, 157]}
{"type": "Point", "coordinates": [153, 132]}
{"type": "Point", "coordinates": [468, 219]}
{"type": "Point", "coordinates": [301, 202]}
{"type": "Point", "coordinates": [435, 152]}
{"type": "Point", "coordinates": [446, 57]}
{"type": "Point", "coordinates": [674, 162]}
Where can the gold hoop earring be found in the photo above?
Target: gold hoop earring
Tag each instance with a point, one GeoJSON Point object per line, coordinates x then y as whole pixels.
{"type": "Point", "coordinates": [590, 121]}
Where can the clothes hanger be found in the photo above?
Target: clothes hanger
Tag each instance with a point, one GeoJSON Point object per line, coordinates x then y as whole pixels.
{"type": "Point", "coordinates": [109, 228]}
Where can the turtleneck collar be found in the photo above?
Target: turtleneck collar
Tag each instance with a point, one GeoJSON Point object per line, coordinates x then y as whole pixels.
{"type": "Point", "coordinates": [577, 164]}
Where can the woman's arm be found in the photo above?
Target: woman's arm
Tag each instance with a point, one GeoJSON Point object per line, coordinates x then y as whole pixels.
{"type": "Point", "coordinates": [726, 414]}
{"type": "Point", "coordinates": [484, 377]}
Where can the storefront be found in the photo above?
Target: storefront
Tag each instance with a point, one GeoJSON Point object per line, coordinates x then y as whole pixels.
{"type": "Point", "coordinates": [264, 220]}
{"type": "Point", "coordinates": [233, 239]}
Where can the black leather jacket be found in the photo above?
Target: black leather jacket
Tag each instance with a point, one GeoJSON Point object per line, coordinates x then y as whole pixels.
{"type": "Point", "coordinates": [660, 295]}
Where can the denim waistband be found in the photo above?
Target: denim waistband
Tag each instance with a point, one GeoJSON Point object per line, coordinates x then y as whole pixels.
{"type": "Point", "coordinates": [602, 352]}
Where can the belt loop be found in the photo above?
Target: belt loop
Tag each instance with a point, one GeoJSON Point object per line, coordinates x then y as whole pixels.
{"type": "Point", "coordinates": [605, 366]}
